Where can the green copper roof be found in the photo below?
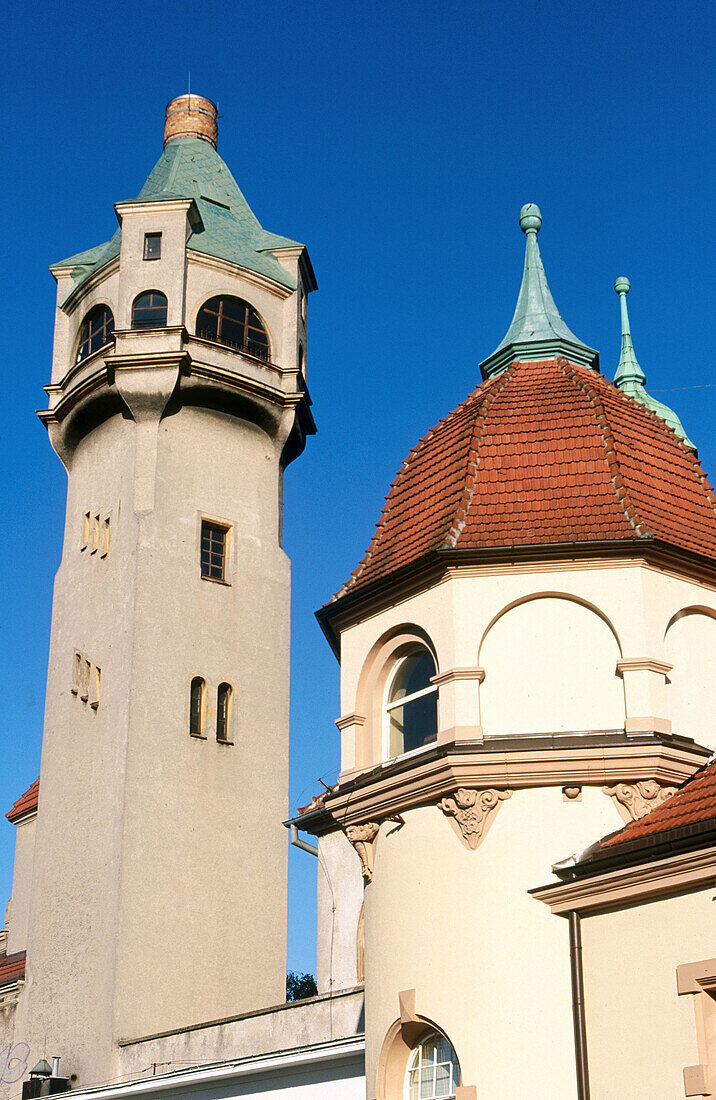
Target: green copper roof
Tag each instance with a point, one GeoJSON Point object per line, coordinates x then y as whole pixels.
{"type": "Point", "coordinates": [630, 377]}
{"type": "Point", "coordinates": [537, 330]}
{"type": "Point", "coordinates": [190, 168]}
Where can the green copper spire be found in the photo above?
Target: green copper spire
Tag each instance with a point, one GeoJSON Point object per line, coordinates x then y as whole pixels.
{"type": "Point", "coordinates": [631, 378]}
{"type": "Point", "coordinates": [537, 330]}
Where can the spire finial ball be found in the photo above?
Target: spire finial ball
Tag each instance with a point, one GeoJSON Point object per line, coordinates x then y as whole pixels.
{"type": "Point", "coordinates": [530, 218]}
{"type": "Point", "coordinates": [622, 285]}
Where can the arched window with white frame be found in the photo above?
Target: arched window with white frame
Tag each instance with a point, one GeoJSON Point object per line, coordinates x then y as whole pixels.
{"type": "Point", "coordinates": [411, 707]}
{"type": "Point", "coordinates": [433, 1071]}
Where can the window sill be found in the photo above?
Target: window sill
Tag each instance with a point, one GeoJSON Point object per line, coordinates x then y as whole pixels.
{"type": "Point", "coordinates": [409, 754]}
{"type": "Point", "coordinates": [216, 580]}
{"type": "Point", "coordinates": [221, 741]}
{"type": "Point", "coordinates": [198, 736]}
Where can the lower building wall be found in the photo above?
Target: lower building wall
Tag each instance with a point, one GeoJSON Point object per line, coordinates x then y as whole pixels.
{"type": "Point", "coordinates": [640, 1033]}
{"type": "Point", "coordinates": [489, 964]}
{"type": "Point", "coordinates": [286, 1027]}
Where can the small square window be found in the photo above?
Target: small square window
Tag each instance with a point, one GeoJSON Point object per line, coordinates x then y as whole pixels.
{"type": "Point", "coordinates": [152, 246]}
{"type": "Point", "coordinates": [214, 547]}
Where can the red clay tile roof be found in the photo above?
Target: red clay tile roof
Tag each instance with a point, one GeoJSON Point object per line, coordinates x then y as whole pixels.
{"type": "Point", "coordinates": [544, 453]}
{"type": "Point", "coordinates": [26, 803]}
{"type": "Point", "coordinates": [693, 804]}
{"type": "Point", "coordinates": [12, 967]}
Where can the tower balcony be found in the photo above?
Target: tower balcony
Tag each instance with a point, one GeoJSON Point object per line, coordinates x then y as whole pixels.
{"type": "Point", "coordinates": [156, 364]}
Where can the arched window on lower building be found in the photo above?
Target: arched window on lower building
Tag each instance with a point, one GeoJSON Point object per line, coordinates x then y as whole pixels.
{"type": "Point", "coordinates": [223, 712]}
{"type": "Point", "coordinates": [196, 706]}
{"type": "Point", "coordinates": [411, 709]}
{"type": "Point", "coordinates": [150, 310]}
{"type": "Point", "coordinates": [433, 1071]}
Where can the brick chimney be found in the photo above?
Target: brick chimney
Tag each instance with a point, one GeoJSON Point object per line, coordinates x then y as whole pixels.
{"type": "Point", "coordinates": [192, 116]}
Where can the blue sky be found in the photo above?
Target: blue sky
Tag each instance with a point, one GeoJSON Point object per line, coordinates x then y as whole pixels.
{"type": "Point", "coordinates": [398, 141]}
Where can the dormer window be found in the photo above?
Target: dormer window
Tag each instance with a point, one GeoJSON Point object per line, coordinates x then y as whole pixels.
{"type": "Point", "coordinates": [96, 331]}
{"type": "Point", "coordinates": [233, 322]}
{"type": "Point", "coordinates": [150, 310]}
{"type": "Point", "coordinates": [152, 246]}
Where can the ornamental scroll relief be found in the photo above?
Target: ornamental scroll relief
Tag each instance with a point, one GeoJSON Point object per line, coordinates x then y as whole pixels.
{"type": "Point", "coordinates": [634, 800]}
{"type": "Point", "coordinates": [470, 811]}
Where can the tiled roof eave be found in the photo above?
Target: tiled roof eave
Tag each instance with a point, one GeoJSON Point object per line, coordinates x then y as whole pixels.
{"type": "Point", "coordinates": [643, 849]}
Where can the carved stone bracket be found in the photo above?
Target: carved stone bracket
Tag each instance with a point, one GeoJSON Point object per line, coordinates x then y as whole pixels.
{"type": "Point", "coordinates": [363, 838]}
{"type": "Point", "coordinates": [634, 800]}
{"type": "Point", "coordinates": [470, 811]}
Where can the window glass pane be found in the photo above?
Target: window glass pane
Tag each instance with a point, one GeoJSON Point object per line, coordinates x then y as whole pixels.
{"type": "Point", "coordinates": [96, 331]}
{"type": "Point", "coordinates": [152, 246]}
{"type": "Point", "coordinates": [149, 310]}
{"type": "Point", "coordinates": [414, 674]}
{"type": "Point", "coordinates": [233, 322]}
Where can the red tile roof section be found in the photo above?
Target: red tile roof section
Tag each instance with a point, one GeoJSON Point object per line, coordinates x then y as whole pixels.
{"type": "Point", "coordinates": [26, 803]}
{"type": "Point", "coordinates": [547, 452]}
{"type": "Point", "coordinates": [693, 804]}
{"type": "Point", "coordinates": [12, 967]}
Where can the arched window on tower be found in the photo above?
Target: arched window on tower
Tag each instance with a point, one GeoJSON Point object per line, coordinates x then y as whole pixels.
{"type": "Point", "coordinates": [411, 709]}
{"type": "Point", "coordinates": [235, 323]}
{"type": "Point", "coordinates": [223, 712]}
{"type": "Point", "coordinates": [433, 1070]}
{"type": "Point", "coordinates": [196, 706]}
{"type": "Point", "coordinates": [150, 310]}
{"type": "Point", "coordinates": [96, 330]}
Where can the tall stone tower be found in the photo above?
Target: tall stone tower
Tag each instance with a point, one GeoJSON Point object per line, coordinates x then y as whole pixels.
{"type": "Point", "coordinates": [178, 397]}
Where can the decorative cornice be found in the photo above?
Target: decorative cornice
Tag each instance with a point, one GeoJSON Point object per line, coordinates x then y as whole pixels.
{"type": "Point", "coordinates": [640, 798]}
{"type": "Point", "coordinates": [353, 719]}
{"type": "Point", "coordinates": [641, 882]}
{"type": "Point", "coordinates": [384, 791]}
{"type": "Point", "coordinates": [452, 674]}
{"type": "Point", "coordinates": [643, 664]}
{"type": "Point", "coordinates": [470, 810]}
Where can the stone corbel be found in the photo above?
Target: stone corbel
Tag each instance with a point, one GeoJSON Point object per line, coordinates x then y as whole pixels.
{"type": "Point", "coordinates": [635, 800]}
{"type": "Point", "coordinates": [470, 812]}
{"type": "Point", "coordinates": [363, 838]}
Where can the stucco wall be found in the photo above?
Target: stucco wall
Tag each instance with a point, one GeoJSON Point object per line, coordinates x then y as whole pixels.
{"type": "Point", "coordinates": [19, 916]}
{"type": "Point", "coordinates": [340, 898]}
{"type": "Point", "coordinates": [640, 1033]}
{"type": "Point", "coordinates": [489, 965]}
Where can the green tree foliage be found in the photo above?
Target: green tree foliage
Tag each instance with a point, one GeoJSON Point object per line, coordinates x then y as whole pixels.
{"type": "Point", "coordinates": [299, 986]}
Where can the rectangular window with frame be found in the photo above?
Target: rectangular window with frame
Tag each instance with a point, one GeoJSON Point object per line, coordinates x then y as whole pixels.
{"type": "Point", "coordinates": [214, 546]}
{"type": "Point", "coordinates": [152, 246]}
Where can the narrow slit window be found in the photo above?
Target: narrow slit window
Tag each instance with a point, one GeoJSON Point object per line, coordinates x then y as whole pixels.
{"type": "Point", "coordinates": [96, 676]}
{"type": "Point", "coordinates": [196, 707]}
{"type": "Point", "coordinates": [223, 709]}
{"type": "Point", "coordinates": [213, 551]}
{"type": "Point", "coordinates": [152, 246]}
{"type": "Point", "coordinates": [95, 533]}
{"type": "Point", "coordinates": [85, 531]}
{"type": "Point", "coordinates": [85, 685]}
{"type": "Point", "coordinates": [76, 672]}
{"type": "Point", "coordinates": [105, 537]}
